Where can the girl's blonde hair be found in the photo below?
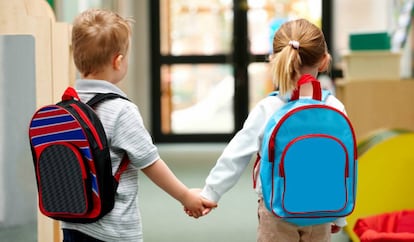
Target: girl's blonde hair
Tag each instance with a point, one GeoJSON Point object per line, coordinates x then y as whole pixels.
{"type": "Point", "coordinates": [97, 36]}
{"type": "Point", "coordinates": [296, 44]}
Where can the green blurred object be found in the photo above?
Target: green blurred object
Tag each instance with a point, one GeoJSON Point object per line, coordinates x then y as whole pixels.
{"type": "Point", "coordinates": [370, 41]}
{"type": "Point", "coordinates": [51, 3]}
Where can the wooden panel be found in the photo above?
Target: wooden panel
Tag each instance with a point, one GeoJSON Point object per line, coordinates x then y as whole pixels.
{"type": "Point", "coordinates": [373, 105]}
{"type": "Point", "coordinates": [62, 73]}
{"type": "Point", "coordinates": [39, 8]}
{"type": "Point", "coordinates": [48, 230]}
{"type": "Point", "coordinates": [54, 65]}
{"type": "Point", "coordinates": [42, 28]}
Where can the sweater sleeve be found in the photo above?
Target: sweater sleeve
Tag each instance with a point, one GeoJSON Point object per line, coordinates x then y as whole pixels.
{"type": "Point", "coordinates": [236, 156]}
{"type": "Point", "coordinates": [334, 102]}
{"type": "Point", "coordinates": [341, 222]}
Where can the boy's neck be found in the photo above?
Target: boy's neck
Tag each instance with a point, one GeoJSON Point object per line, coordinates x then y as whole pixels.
{"type": "Point", "coordinates": [101, 76]}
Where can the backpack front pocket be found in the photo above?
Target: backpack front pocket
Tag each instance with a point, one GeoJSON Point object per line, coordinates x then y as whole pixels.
{"type": "Point", "coordinates": [63, 181]}
{"type": "Point", "coordinates": [314, 169]}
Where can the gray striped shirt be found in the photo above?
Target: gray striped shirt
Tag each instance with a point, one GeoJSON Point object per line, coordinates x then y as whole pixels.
{"type": "Point", "coordinates": [125, 131]}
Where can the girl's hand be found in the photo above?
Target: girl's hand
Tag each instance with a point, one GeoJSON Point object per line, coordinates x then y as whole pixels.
{"type": "Point", "coordinates": [197, 206]}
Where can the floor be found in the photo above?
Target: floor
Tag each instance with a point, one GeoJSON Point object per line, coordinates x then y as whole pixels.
{"type": "Point", "coordinates": [235, 219]}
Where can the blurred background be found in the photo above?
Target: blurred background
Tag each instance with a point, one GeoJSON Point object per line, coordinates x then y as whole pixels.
{"type": "Point", "coordinates": [196, 70]}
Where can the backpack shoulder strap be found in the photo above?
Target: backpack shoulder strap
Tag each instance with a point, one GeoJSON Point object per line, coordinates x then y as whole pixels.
{"type": "Point", "coordinates": [274, 93]}
{"type": "Point", "coordinates": [325, 95]}
{"type": "Point", "coordinates": [100, 97]}
{"type": "Point", "coordinates": [122, 167]}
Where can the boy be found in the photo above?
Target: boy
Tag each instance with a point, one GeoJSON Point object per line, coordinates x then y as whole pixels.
{"type": "Point", "coordinates": [100, 41]}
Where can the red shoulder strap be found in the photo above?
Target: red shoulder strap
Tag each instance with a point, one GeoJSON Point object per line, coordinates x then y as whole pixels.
{"type": "Point", "coordinates": [69, 94]}
{"type": "Point", "coordinates": [122, 167]}
{"type": "Point", "coordinates": [317, 91]}
{"type": "Point", "coordinates": [256, 170]}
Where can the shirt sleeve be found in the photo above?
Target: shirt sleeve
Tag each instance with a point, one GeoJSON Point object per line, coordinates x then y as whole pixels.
{"type": "Point", "coordinates": [334, 102]}
{"type": "Point", "coordinates": [235, 157]}
{"type": "Point", "coordinates": [131, 136]}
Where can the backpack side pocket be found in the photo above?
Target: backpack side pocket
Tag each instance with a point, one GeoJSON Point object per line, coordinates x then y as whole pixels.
{"type": "Point", "coordinates": [315, 169]}
{"type": "Point", "coordinates": [63, 181]}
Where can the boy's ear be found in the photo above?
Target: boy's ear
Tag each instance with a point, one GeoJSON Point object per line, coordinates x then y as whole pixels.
{"type": "Point", "coordinates": [116, 64]}
{"type": "Point", "coordinates": [324, 64]}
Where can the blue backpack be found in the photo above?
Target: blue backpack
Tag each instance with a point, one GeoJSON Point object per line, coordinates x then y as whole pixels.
{"type": "Point", "coordinates": [308, 167]}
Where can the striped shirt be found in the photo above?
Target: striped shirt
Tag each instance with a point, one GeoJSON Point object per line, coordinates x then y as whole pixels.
{"type": "Point", "coordinates": [126, 133]}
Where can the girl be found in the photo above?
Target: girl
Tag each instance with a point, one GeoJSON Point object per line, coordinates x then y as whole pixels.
{"type": "Point", "coordinates": [299, 48]}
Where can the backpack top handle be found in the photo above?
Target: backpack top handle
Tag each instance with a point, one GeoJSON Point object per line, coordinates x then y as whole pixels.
{"type": "Point", "coordinates": [69, 94]}
{"type": "Point", "coordinates": [316, 85]}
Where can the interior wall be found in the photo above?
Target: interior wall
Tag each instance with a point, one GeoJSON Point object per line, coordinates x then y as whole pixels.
{"type": "Point", "coordinates": [358, 16]}
{"type": "Point", "coordinates": [18, 101]}
{"type": "Point", "coordinates": [137, 83]}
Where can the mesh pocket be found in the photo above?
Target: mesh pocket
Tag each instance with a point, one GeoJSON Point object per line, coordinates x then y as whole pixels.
{"type": "Point", "coordinates": [63, 181]}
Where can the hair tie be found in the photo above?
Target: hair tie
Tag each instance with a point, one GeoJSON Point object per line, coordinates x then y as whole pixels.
{"type": "Point", "coordinates": [294, 44]}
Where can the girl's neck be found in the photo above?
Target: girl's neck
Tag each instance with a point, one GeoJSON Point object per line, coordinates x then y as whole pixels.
{"type": "Point", "coordinates": [306, 89]}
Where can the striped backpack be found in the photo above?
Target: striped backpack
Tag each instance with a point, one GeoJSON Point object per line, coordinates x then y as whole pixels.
{"type": "Point", "coordinates": [308, 168]}
{"type": "Point", "coordinates": [72, 161]}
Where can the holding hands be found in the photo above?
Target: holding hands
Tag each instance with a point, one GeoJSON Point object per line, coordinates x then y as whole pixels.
{"type": "Point", "coordinates": [195, 205]}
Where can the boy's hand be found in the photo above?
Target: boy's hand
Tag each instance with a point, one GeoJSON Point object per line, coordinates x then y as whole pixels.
{"type": "Point", "coordinates": [206, 205]}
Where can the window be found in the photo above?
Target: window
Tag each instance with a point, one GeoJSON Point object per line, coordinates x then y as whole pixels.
{"type": "Point", "coordinates": [209, 62]}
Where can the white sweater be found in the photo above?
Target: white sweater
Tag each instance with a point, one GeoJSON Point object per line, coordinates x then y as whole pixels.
{"type": "Point", "coordinates": [244, 145]}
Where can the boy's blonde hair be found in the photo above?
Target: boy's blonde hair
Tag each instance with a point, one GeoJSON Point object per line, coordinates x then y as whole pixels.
{"type": "Point", "coordinates": [97, 36]}
{"type": "Point", "coordinates": [296, 44]}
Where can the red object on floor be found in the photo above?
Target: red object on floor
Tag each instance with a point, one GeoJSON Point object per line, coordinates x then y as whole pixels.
{"type": "Point", "coordinates": [388, 227]}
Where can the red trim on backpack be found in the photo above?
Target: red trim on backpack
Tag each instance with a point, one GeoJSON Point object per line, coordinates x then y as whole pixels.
{"type": "Point", "coordinates": [271, 147]}
{"type": "Point", "coordinates": [256, 170]}
{"type": "Point", "coordinates": [282, 160]}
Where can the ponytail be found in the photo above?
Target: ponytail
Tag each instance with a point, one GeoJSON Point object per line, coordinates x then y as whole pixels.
{"type": "Point", "coordinates": [285, 68]}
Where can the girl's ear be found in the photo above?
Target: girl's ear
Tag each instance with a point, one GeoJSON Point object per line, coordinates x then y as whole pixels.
{"type": "Point", "coordinates": [325, 62]}
{"type": "Point", "coordinates": [116, 64]}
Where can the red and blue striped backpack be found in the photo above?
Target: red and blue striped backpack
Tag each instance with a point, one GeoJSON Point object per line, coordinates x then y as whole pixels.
{"type": "Point", "coordinates": [308, 168]}
{"type": "Point", "coordinates": [72, 161]}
